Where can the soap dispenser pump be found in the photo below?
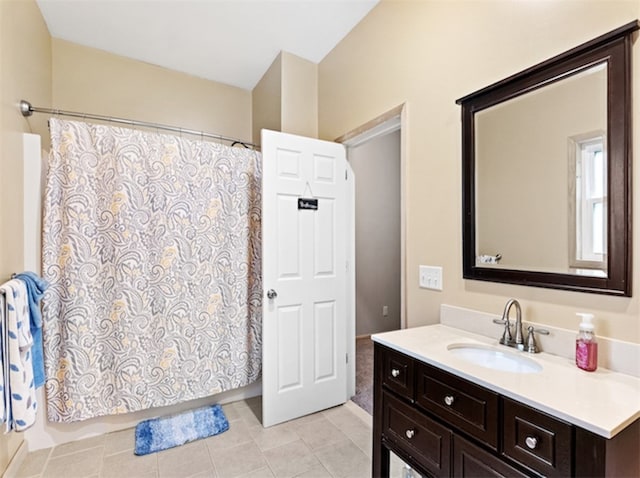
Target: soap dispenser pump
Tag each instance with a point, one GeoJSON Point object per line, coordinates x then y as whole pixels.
{"type": "Point", "coordinates": [586, 345]}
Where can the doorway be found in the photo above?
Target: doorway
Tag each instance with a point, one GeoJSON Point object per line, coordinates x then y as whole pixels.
{"type": "Point", "coordinates": [374, 152]}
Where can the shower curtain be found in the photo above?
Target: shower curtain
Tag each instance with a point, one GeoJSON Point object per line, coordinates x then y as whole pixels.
{"type": "Point", "coordinates": [151, 244]}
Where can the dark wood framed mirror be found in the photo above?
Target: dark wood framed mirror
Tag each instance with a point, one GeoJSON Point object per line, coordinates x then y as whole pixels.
{"type": "Point", "coordinates": [547, 172]}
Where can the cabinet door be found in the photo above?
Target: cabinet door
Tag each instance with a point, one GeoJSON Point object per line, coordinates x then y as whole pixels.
{"type": "Point", "coordinates": [471, 461]}
{"type": "Point", "coordinates": [419, 437]}
{"type": "Point", "coordinates": [397, 372]}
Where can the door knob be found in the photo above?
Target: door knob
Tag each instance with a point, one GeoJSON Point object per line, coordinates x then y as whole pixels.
{"type": "Point", "coordinates": [271, 294]}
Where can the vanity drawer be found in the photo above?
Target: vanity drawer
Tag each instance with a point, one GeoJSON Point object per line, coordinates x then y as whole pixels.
{"type": "Point", "coordinates": [470, 461]}
{"type": "Point", "coordinates": [537, 440]}
{"type": "Point", "coordinates": [398, 372]}
{"type": "Point", "coordinates": [465, 405]}
{"type": "Point", "coordinates": [423, 439]}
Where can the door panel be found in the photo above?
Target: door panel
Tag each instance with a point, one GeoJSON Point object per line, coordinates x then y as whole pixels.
{"type": "Point", "coordinates": [288, 243]}
{"type": "Point", "coordinates": [325, 240]}
{"type": "Point", "coordinates": [325, 347]}
{"type": "Point", "coordinates": [290, 341]}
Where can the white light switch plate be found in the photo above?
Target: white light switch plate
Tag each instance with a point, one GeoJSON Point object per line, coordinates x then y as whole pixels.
{"type": "Point", "coordinates": [431, 277]}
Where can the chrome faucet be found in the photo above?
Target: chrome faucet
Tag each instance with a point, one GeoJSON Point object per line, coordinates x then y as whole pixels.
{"type": "Point", "coordinates": [507, 337]}
{"type": "Point", "coordinates": [518, 341]}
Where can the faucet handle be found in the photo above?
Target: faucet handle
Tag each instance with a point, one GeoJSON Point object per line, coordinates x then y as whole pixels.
{"type": "Point", "coordinates": [506, 338]}
{"type": "Point", "coordinates": [532, 346]}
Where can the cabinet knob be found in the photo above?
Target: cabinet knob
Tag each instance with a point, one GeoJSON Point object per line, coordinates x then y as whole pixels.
{"type": "Point", "coordinates": [410, 432]}
{"type": "Point", "coordinates": [449, 399]}
{"type": "Point", "coordinates": [531, 442]}
{"type": "Point", "coordinates": [395, 372]}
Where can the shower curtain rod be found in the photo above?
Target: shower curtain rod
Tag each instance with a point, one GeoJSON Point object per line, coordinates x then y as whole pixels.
{"type": "Point", "coordinates": [27, 110]}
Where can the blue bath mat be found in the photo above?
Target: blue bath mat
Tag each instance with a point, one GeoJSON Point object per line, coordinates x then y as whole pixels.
{"type": "Point", "coordinates": [161, 433]}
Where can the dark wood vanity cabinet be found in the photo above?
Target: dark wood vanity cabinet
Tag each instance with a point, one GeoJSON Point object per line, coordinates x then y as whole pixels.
{"type": "Point", "coordinates": [443, 425]}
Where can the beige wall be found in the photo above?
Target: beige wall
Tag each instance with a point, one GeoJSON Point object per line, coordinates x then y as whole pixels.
{"type": "Point", "coordinates": [25, 72]}
{"type": "Point", "coordinates": [286, 98]}
{"type": "Point", "coordinates": [299, 96]}
{"type": "Point", "coordinates": [267, 100]}
{"type": "Point", "coordinates": [94, 81]}
{"type": "Point", "coordinates": [430, 53]}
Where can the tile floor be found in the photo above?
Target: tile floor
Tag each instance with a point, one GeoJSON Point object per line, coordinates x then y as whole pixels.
{"type": "Point", "coordinates": [333, 443]}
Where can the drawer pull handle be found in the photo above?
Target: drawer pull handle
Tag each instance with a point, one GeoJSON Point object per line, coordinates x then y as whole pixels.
{"type": "Point", "coordinates": [395, 372]}
{"type": "Point", "coordinates": [531, 442]}
{"type": "Point", "coordinates": [449, 399]}
{"type": "Point", "coordinates": [410, 433]}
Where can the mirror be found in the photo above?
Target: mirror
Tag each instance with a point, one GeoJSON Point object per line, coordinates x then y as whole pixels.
{"type": "Point", "coordinates": [528, 154]}
{"type": "Point", "coordinates": [546, 162]}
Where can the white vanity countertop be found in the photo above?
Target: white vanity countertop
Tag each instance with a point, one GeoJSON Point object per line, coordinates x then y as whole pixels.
{"type": "Point", "coordinates": [603, 401]}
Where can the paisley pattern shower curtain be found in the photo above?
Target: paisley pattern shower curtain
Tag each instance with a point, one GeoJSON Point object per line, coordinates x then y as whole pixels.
{"type": "Point", "coordinates": [151, 244]}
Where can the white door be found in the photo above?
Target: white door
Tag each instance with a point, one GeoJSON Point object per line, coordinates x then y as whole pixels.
{"type": "Point", "coordinates": [305, 319]}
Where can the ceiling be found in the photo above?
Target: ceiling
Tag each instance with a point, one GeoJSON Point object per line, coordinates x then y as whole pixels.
{"type": "Point", "coordinates": [228, 41]}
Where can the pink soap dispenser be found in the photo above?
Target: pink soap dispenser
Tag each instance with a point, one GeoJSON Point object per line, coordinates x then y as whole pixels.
{"type": "Point", "coordinates": [586, 345]}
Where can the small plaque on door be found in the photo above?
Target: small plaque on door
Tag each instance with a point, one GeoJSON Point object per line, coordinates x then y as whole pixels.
{"type": "Point", "coordinates": [308, 203]}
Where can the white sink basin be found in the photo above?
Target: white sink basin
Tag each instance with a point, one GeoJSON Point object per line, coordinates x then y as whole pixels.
{"type": "Point", "coordinates": [493, 358]}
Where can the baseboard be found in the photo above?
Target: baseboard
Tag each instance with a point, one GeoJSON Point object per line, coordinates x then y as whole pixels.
{"type": "Point", "coordinates": [16, 461]}
{"type": "Point", "coordinates": [360, 413]}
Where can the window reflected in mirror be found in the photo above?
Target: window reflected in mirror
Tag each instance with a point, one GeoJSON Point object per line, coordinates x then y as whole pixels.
{"type": "Point", "coordinates": [588, 204]}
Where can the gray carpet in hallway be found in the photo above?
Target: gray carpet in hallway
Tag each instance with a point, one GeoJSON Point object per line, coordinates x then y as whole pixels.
{"type": "Point", "coordinates": [364, 374]}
